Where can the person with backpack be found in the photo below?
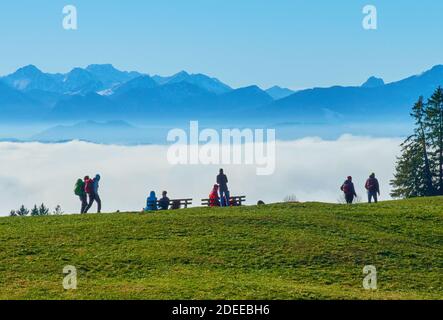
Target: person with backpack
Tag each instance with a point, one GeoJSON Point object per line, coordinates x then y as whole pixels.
{"type": "Point", "coordinates": [222, 181]}
{"type": "Point", "coordinates": [373, 188]}
{"type": "Point", "coordinates": [349, 190]}
{"type": "Point", "coordinates": [91, 188]}
{"type": "Point", "coordinates": [214, 201]}
{"type": "Point", "coordinates": [96, 195]}
{"type": "Point", "coordinates": [79, 191]}
{"type": "Point", "coordinates": [151, 202]}
{"type": "Point", "coordinates": [163, 203]}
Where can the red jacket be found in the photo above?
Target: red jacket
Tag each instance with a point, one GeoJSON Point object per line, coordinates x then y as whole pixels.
{"type": "Point", "coordinates": [213, 199]}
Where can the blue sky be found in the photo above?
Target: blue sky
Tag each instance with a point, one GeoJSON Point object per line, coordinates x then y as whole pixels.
{"type": "Point", "coordinates": [292, 43]}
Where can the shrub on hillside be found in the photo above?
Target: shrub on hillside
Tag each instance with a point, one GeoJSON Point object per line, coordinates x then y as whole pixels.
{"type": "Point", "coordinates": [42, 210]}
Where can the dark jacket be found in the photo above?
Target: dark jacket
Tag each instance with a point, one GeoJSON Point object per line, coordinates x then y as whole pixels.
{"type": "Point", "coordinates": [372, 185]}
{"type": "Point", "coordinates": [222, 181]}
{"type": "Point", "coordinates": [163, 203]}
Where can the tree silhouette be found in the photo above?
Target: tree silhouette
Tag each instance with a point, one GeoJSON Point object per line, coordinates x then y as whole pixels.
{"type": "Point", "coordinates": [419, 170]}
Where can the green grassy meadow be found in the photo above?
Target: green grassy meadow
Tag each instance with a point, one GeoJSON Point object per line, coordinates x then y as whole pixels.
{"type": "Point", "coordinates": [281, 251]}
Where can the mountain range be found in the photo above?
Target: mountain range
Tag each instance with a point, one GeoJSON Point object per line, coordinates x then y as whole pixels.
{"type": "Point", "coordinates": [375, 100]}
{"type": "Point", "coordinates": [103, 93]}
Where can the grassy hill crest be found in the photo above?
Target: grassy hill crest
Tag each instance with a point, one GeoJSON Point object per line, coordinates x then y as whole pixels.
{"type": "Point", "coordinates": [280, 251]}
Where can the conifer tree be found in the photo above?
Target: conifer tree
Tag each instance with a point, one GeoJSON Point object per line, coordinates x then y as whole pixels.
{"type": "Point", "coordinates": [419, 170]}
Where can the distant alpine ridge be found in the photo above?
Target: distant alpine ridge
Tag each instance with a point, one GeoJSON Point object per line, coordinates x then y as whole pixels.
{"type": "Point", "coordinates": [103, 93]}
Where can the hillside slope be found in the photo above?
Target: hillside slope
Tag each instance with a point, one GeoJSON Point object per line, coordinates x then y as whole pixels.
{"type": "Point", "coordinates": [282, 251]}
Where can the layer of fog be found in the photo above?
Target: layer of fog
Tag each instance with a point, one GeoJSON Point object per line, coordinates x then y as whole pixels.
{"type": "Point", "coordinates": [310, 168]}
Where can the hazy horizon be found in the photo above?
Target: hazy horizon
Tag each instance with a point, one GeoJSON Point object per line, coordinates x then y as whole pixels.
{"type": "Point", "coordinates": [312, 169]}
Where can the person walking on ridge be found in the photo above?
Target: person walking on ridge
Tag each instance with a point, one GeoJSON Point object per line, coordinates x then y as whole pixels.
{"type": "Point", "coordinates": [91, 188]}
{"type": "Point", "coordinates": [79, 191]}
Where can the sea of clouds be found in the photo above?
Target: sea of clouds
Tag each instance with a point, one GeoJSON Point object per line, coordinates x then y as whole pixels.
{"type": "Point", "coordinates": [312, 169]}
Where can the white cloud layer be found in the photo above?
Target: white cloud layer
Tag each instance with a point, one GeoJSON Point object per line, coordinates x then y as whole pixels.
{"type": "Point", "coordinates": [310, 168]}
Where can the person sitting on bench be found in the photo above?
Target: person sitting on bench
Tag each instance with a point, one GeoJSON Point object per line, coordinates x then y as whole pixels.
{"type": "Point", "coordinates": [214, 201]}
{"type": "Point", "coordinates": [151, 202]}
{"type": "Point", "coordinates": [163, 203]}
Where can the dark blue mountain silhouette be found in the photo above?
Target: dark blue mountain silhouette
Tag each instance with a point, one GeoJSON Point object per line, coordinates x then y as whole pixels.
{"type": "Point", "coordinates": [105, 93]}
{"type": "Point", "coordinates": [139, 83]}
{"type": "Point", "coordinates": [171, 100]}
{"type": "Point", "coordinates": [200, 80]}
{"type": "Point", "coordinates": [179, 100]}
{"type": "Point", "coordinates": [277, 92]}
{"type": "Point", "coordinates": [390, 101]}
{"type": "Point", "coordinates": [244, 98]}
{"type": "Point", "coordinates": [31, 78]}
{"type": "Point", "coordinates": [373, 82]}
{"type": "Point", "coordinates": [90, 106]}
{"type": "Point", "coordinates": [110, 76]}
{"type": "Point", "coordinates": [78, 80]}
{"type": "Point", "coordinates": [15, 104]}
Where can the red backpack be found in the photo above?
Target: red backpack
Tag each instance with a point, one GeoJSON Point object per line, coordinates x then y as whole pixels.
{"type": "Point", "coordinates": [89, 186]}
{"type": "Point", "coordinates": [371, 185]}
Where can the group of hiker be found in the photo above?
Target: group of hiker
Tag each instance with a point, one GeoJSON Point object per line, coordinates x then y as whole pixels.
{"type": "Point", "coordinates": [152, 204]}
{"type": "Point", "coordinates": [87, 191]}
{"type": "Point", "coordinates": [219, 197]}
{"type": "Point", "coordinates": [372, 187]}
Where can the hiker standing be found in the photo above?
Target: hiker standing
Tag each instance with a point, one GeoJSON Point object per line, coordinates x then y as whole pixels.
{"type": "Point", "coordinates": [222, 181]}
{"type": "Point", "coordinates": [91, 188]}
{"type": "Point", "coordinates": [80, 192]}
{"type": "Point", "coordinates": [349, 190]}
{"type": "Point", "coordinates": [373, 188]}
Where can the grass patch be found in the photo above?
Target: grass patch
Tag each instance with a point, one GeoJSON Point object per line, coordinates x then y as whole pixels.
{"type": "Point", "coordinates": [281, 251]}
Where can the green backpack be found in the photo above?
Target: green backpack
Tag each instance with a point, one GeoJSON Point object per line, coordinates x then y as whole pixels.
{"type": "Point", "coordinates": [79, 188]}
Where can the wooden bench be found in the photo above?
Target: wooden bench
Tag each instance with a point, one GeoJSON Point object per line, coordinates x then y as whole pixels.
{"type": "Point", "coordinates": [180, 202]}
{"type": "Point", "coordinates": [238, 200]}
